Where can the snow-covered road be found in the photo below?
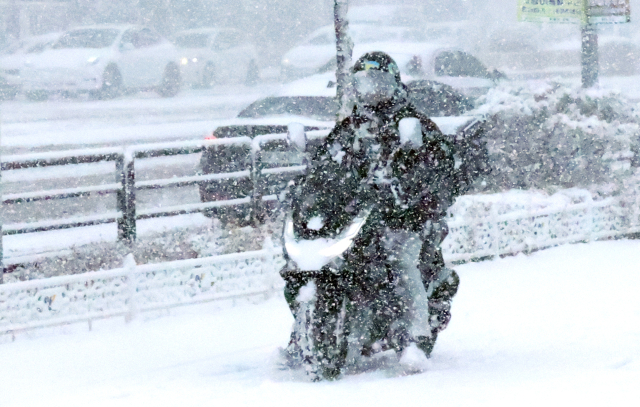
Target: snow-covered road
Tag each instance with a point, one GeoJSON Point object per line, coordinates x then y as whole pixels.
{"type": "Point", "coordinates": [137, 118]}
{"type": "Point", "coordinates": [560, 327]}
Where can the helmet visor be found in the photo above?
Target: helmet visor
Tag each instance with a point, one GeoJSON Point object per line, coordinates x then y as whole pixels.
{"type": "Point", "coordinates": [374, 86]}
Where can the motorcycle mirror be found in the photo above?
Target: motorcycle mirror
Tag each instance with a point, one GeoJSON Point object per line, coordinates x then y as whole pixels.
{"type": "Point", "coordinates": [296, 136]}
{"type": "Point", "coordinates": [410, 130]}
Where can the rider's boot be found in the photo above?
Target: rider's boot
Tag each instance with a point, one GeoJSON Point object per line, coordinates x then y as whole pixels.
{"type": "Point", "coordinates": [442, 292]}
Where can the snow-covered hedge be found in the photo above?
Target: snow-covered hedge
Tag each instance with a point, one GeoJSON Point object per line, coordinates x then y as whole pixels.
{"type": "Point", "coordinates": [544, 135]}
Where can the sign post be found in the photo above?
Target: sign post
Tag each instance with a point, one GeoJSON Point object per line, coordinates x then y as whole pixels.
{"type": "Point", "coordinates": [589, 55]}
{"type": "Point", "coordinates": [587, 13]}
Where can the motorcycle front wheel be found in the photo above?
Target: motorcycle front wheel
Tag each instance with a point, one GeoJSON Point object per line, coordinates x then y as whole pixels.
{"type": "Point", "coordinates": [320, 331]}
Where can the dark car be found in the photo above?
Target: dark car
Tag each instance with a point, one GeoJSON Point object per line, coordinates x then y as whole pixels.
{"type": "Point", "coordinates": [265, 157]}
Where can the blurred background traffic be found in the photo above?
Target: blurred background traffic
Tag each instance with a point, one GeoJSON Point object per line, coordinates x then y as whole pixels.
{"type": "Point", "coordinates": [108, 48]}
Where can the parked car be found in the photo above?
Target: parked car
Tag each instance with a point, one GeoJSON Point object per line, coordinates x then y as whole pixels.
{"type": "Point", "coordinates": [211, 55]}
{"type": "Point", "coordinates": [310, 102]}
{"type": "Point", "coordinates": [104, 60]}
{"type": "Point", "coordinates": [316, 53]}
{"type": "Point", "coordinates": [415, 58]}
{"type": "Point", "coordinates": [13, 59]}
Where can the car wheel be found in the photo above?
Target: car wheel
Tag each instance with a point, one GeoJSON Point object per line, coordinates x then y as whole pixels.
{"type": "Point", "coordinates": [111, 84]}
{"type": "Point", "coordinates": [253, 74]}
{"type": "Point", "coordinates": [37, 95]}
{"type": "Point", "coordinates": [208, 76]}
{"type": "Point", "coordinates": [170, 85]}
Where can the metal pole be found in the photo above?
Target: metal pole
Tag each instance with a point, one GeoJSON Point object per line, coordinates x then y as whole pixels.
{"type": "Point", "coordinates": [344, 51]}
{"type": "Point", "coordinates": [130, 196]}
{"type": "Point", "coordinates": [589, 55]}
{"type": "Point", "coordinates": [126, 198]}
{"type": "Point", "coordinates": [1, 209]}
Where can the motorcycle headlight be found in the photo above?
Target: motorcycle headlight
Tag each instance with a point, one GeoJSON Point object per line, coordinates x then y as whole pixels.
{"type": "Point", "coordinates": [184, 61]}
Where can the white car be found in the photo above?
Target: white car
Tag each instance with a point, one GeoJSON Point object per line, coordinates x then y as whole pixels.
{"type": "Point", "coordinates": [451, 66]}
{"type": "Point", "coordinates": [12, 61]}
{"type": "Point", "coordinates": [210, 55]}
{"type": "Point", "coordinates": [416, 58]}
{"type": "Point", "coordinates": [104, 60]}
{"type": "Point", "coordinates": [318, 51]}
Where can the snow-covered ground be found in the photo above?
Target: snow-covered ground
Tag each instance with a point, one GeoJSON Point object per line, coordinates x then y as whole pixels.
{"type": "Point", "coordinates": [560, 327]}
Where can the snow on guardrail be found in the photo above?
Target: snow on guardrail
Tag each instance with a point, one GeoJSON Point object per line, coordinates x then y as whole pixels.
{"type": "Point", "coordinates": [121, 292]}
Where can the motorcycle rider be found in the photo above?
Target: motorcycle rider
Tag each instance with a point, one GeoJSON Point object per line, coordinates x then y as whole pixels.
{"type": "Point", "coordinates": [414, 179]}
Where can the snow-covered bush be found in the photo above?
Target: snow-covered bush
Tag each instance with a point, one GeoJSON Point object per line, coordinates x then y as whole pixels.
{"type": "Point", "coordinates": [548, 136]}
{"type": "Point", "coordinates": [172, 244]}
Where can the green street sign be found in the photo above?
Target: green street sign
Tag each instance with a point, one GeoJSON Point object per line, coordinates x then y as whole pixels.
{"type": "Point", "coordinates": [609, 11]}
{"type": "Point", "coordinates": [551, 11]}
{"type": "Point", "coordinates": [574, 11]}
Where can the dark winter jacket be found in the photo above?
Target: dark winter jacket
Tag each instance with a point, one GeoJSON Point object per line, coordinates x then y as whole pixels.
{"type": "Point", "coordinates": [362, 161]}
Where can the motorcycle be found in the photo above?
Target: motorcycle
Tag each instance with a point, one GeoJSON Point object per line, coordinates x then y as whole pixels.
{"type": "Point", "coordinates": [356, 298]}
{"type": "Point", "coordinates": [354, 302]}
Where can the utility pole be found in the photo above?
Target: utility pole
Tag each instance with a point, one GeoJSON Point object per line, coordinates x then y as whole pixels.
{"type": "Point", "coordinates": [1, 206]}
{"type": "Point", "coordinates": [589, 55]}
{"type": "Point", "coordinates": [344, 51]}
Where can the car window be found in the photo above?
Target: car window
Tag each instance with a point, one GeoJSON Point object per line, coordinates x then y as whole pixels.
{"type": "Point", "coordinates": [192, 41]}
{"type": "Point", "coordinates": [87, 38]}
{"type": "Point", "coordinates": [308, 106]}
{"type": "Point", "coordinates": [128, 37]}
{"type": "Point", "coordinates": [146, 38]}
{"type": "Point", "coordinates": [457, 63]}
{"type": "Point", "coordinates": [227, 39]}
{"type": "Point", "coordinates": [38, 47]}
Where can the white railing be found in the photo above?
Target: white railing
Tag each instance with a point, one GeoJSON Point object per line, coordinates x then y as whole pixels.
{"type": "Point", "coordinates": [131, 289]}
{"type": "Point", "coordinates": [478, 228]}
{"type": "Point", "coordinates": [526, 230]}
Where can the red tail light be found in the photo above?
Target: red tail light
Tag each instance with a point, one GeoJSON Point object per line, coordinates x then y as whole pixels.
{"type": "Point", "coordinates": [211, 137]}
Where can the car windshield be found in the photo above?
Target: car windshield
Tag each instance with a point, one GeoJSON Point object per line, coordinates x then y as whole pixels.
{"type": "Point", "coordinates": [192, 41]}
{"type": "Point", "coordinates": [308, 106]}
{"type": "Point", "coordinates": [38, 47]}
{"type": "Point", "coordinates": [87, 38]}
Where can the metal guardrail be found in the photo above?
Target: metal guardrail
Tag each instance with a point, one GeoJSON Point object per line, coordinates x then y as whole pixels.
{"type": "Point", "coordinates": [124, 185]}
{"type": "Point", "coordinates": [264, 176]}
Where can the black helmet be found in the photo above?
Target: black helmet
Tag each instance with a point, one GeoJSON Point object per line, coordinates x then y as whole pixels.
{"type": "Point", "coordinates": [377, 79]}
{"type": "Point", "coordinates": [377, 60]}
